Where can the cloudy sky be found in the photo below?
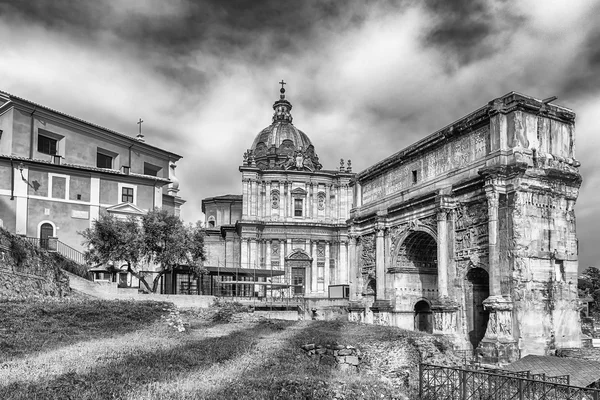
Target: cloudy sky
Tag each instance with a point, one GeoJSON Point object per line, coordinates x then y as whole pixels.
{"type": "Point", "coordinates": [366, 78]}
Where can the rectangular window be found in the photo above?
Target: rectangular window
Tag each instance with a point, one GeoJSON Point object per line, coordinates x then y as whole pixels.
{"type": "Point", "coordinates": [47, 145]}
{"type": "Point", "coordinates": [298, 280]}
{"type": "Point", "coordinates": [414, 177]}
{"type": "Point", "coordinates": [297, 207]}
{"type": "Point", "coordinates": [152, 170]}
{"type": "Point", "coordinates": [103, 161]}
{"type": "Point", "coordinates": [127, 195]}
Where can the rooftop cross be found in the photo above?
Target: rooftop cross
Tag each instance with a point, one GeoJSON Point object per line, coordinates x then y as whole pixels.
{"type": "Point", "coordinates": [282, 83]}
{"type": "Point", "coordinates": [140, 124]}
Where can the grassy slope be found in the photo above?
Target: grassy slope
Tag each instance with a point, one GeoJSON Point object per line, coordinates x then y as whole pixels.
{"type": "Point", "coordinates": [103, 350]}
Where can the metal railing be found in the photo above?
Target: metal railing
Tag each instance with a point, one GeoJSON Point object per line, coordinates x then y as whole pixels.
{"type": "Point", "coordinates": [61, 248]}
{"type": "Point", "coordinates": [456, 383]}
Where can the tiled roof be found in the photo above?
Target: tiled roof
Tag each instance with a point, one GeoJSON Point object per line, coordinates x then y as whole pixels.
{"type": "Point", "coordinates": [582, 372]}
{"type": "Point", "coordinates": [86, 167]}
{"type": "Point", "coordinates": [12, 96]}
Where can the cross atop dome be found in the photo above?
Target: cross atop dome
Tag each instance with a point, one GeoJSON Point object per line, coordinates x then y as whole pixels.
{"type": "Point", "coordinates": [282, 90]}
{"type": "Point", "coordinates": [282, 107]}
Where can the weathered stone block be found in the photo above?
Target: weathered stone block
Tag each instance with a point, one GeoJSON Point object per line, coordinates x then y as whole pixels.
{"type": "Point", "coordinates": [353, 360]}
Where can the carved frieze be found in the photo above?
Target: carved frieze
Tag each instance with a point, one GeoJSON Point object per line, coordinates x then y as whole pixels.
{"type": "Point", "coordinates": [458, 153]}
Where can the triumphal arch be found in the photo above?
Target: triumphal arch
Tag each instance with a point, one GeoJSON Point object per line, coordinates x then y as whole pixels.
{"type": "Point", "coordinates": [470, 232]}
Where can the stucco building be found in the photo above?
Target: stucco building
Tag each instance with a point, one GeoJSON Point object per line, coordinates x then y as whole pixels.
{"type": "Point", "coordinates": [58, 172]}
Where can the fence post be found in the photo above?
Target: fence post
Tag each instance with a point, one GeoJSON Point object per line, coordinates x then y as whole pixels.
{"type": "Point", "coordinates": [463, 384]}
{"type": "Point", "coordinates": [420, 380]}
{"type": "Point", "coordinates": [520, 388]}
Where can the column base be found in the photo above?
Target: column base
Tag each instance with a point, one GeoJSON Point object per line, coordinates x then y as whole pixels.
{"type": "Point", "coordinates": [498, 352]}
{"type": "Point", "coordinates": [445, 316]}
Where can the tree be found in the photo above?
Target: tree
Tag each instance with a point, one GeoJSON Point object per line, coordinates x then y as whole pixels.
{"type": "Point", "coordinates": [589, 284]}
{"type": "Point", "coordinates": [159, 238]}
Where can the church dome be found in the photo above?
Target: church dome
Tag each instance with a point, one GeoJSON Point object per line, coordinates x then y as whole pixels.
{"type": "Point", "coordinates": [281, 145]}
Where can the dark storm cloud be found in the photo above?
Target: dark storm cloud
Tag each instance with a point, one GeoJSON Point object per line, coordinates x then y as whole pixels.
{"type": "Point", "coordinates": [469, 30]}
{"type": "Point", "coordinates": [583, 78]}
{"type": "Point", "coordinates": [214, 25]}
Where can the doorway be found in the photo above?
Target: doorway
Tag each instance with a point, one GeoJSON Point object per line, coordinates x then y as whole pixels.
{"type": "Point", "coordinates": [46, 232]}
{"type": "Point", "coordinates": [477, 289]}
{"type": "Point", "coordinates": [423, 317]}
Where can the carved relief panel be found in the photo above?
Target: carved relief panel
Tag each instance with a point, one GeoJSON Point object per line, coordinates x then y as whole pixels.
{"type": "Point", "coordinates": [367, 256]}
{"type": "Point", "coordinates": [275, 199]}
{"type": "Point", "coordinates": [471, 235]}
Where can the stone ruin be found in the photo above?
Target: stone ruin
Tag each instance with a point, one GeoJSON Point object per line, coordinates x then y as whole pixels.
{"type": "Point", "coordinates": [345, 358]}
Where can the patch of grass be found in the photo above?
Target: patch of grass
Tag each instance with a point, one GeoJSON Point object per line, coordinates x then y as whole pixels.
{"type": "Point", "coordinates": [124, 350]}
{"type": "Point", "coordinates": [27, 326]}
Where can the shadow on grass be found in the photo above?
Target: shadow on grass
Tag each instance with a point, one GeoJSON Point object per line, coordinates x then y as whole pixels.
{"type": "Point", "coordinates": [288, 372]}
{"type": "Point", "coordinates": [120, 378]}
{"type": "Point", "coordinates": [29, 327]}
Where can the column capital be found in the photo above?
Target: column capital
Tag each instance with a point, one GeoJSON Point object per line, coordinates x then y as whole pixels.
{"type": "Point", "coordinates": [493, 196]}
{"type": "Point", "coordinates": [442, 214]}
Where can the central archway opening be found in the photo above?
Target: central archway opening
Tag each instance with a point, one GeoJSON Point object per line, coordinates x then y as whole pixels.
{"type": "Point", "coordinates": [423, 317]}
{"type": "Point", "coordinates": [419, 250]}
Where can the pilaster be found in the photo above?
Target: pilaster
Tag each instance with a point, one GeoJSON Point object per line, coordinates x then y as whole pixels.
{"type": "Point", "coordinates": [314, 272]}
{"type": "Point", "coordinates": [244, 255]}
{"type": "Point", "coordinates": [353, 267]}
{"type": "Point", "coordinates": [326, 272]}
{"type": "Point", "coordinates": [268, 254]}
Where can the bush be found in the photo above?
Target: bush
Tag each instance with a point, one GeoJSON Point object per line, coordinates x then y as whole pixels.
{"type": "Point", "coordinates": [227, 309]}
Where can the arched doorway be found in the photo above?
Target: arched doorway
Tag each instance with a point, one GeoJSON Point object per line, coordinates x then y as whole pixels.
{"type": "Point", "coordinates": [477, 289]}
{"type": "Point", "coordinates": [423, 317]}
{"type": "Point", "coordinates": [46, 232]}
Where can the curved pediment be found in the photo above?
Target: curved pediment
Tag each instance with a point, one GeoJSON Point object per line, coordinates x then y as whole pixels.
{"type": "Point", "coordinates": [299, 254]}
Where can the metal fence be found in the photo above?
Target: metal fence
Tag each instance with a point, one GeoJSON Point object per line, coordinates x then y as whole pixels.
{"type": "Point", "coordinates": [456, 383]}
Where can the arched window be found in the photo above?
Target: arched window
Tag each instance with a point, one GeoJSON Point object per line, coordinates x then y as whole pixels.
{"type": "Point", "coordinates": [211, 222]}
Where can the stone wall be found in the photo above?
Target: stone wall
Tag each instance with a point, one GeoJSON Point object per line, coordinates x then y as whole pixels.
{"type": "Point", "coordinates": [27, 272]}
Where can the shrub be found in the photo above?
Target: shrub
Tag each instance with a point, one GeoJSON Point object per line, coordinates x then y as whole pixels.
{"type": "Point", "coordinates": [225, 310]}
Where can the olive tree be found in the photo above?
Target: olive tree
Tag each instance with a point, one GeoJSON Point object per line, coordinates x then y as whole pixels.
{"type": "Point", "coordinates": [157, 238]}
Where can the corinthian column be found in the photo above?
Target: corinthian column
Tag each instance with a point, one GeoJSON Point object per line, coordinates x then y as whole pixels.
{"type": "Point", "coordinates": [380, 261]}
{"type": "Point", "coordinates": [494, 255]}
{"type": "Point", "coordinates": [353, 267]}
{"type": "Point", "coordinates": [442, 253]}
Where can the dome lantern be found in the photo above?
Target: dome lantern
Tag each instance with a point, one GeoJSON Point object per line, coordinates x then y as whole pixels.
{"type": "Point", "coordinates": [281, 145]}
